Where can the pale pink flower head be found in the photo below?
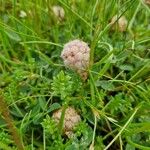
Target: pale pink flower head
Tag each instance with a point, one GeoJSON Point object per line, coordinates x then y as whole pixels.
{"type": "Point", "coordinates": [72, 118]}
{"type": "Point", "coordinates": [76, 56]}
{"type": "Point", "coordinates": [121, 23]}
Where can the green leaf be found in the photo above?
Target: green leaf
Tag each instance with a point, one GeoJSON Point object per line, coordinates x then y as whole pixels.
{"type": "Point", "coordinates": [42, 103]}
{"type": "Point", "coordinates": [106, 85]}
{"type": "Point", "coordinates": [126, 67]}
{"type": "Point", "coordinates": [62, 85]}
{"type": "Point", "coordinates": [12, 35]}
{"type": "Point", "coordinates": [53, 107]}
{"type": "Point", "coordinates": [35, 110]}
{"type": "Point", "coordinates": [129, 147]}
{"type": "Point", "coordinates": [37, 118]}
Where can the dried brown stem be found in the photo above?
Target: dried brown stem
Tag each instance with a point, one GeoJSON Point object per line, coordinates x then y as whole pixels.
{"type": "Point", "coordinates": [8, 119]}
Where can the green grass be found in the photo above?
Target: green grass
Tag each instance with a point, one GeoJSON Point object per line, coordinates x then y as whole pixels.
{"type": "Point", "coordinates": [114, 102]}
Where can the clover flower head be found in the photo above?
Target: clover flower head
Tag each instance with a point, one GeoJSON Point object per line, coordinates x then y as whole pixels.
{"type": "Point", "coordinates": [72, 118]}
{"type": "Point", "coordinates": [58, 12]}
{"type": "Point", "coordinates": [76, 55]}
{"type": "Point", "coordinates": [121, 23]}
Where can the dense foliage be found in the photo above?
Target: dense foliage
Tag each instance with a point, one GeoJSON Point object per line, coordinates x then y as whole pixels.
{"type": "Point", "coordinates": [113, 102]}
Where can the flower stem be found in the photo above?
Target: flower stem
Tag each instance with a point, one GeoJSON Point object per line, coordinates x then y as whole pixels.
{"type": "Point", "coordinates": [61, 122]}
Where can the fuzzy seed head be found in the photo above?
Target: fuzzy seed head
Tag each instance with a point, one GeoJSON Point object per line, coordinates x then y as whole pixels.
{"type": "Point", "coordinates": [71, 119]}
{"type": "Point", "coordinates": [58, 12]}
{"type": "Point", "coordinates": [76, 55]}
{"type": "Point", "coordinates": [121, 23]}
